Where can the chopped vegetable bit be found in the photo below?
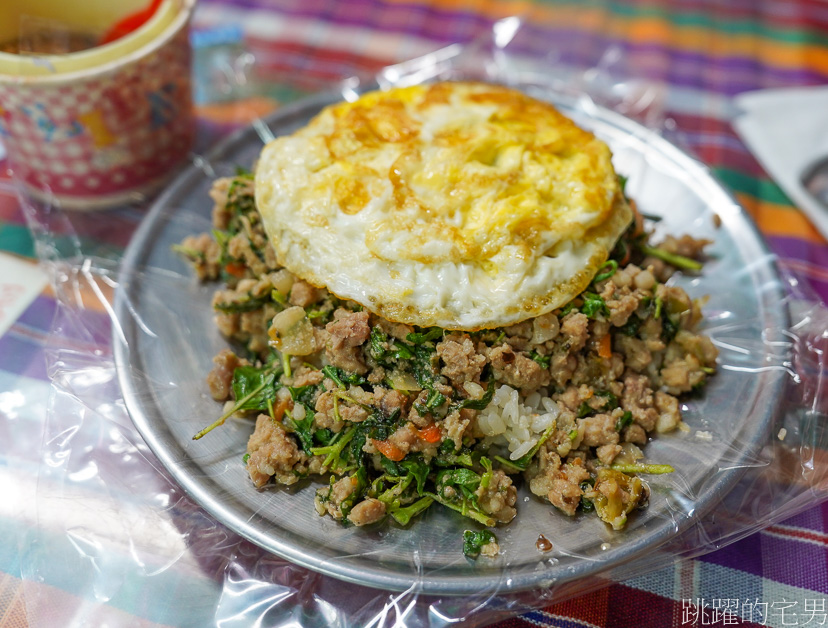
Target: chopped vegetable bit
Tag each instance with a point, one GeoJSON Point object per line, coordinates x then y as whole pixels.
{"type": "Point", "coordinates": [474, 542]}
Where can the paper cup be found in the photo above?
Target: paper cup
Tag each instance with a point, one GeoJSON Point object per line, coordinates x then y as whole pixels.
{"type": "Point", "coordinates": [102, 126]}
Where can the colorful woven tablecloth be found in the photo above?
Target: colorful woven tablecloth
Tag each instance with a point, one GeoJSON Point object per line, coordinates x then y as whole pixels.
{"type": "Point", "coordinates": [703, 52]}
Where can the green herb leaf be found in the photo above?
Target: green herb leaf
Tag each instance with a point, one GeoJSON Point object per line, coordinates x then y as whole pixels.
{"type": "Point", "coordinates": [593, 305]}
{"type": "Point", "coordinates": [419, 338]}
{"type": "Point", "coordinates": [631, 327]}
{"type": "Point", "coordinates": [304, 395]}
{"type": "Point", "coordinates": [255, 386]}
{"type": "Point", "coordinates": [248, 303]}
{"type": "Point", "coordinates": [348, 503]}
{"type": "Point", "coordinates": [653, 469]}
{"type": "Point", "coordinates": [623, 421]}
{"type": "Point", "coordinates": [679, 261]}
{"type": "Point", "coordinates": [611, 402]}
{"type": "Point", "coordinates": [477, 404]}
{"type": "Point", "coordinates": [622, 183]}
{"type": "Point", "coordinates": [606, 271]}
{"type": "Point", "coordinates": [473, 542]}
{"type": "Point", "coordinates": [419, 470]}
{"type": "Point", "coordinates": [543, 360]}
{"type": "Point", "coordinates": [523, 462]}
{"type": "Point", "coordinates": [404, 514]}
{"type": "Point", "coordinates": [669, 328]}
{"type": "Point", "coordinates": [341, 377]}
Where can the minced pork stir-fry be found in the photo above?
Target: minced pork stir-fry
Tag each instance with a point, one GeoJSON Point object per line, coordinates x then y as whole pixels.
{"type": "Point", "coordinates": [400, 418]}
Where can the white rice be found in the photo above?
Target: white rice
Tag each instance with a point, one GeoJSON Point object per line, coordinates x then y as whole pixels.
{"type": "Point", "coordinates": [515, 424]}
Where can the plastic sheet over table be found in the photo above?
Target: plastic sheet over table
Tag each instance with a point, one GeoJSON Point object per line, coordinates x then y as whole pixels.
{"type": "Point", "coordinates": [111, 514]}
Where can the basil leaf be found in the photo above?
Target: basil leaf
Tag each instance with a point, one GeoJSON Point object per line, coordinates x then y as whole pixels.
{"type": "Point", "coordinates": [260, 381]}
{"type": "Point", "coordinates": [477, 404]}
{"type": "Point", "coordinates": [473, 542]}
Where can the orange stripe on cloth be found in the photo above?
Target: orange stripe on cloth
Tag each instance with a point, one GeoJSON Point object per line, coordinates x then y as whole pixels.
{"type": "Point", "coordinates": [780, 220]}
{"type": "Point", "coordinates": [712, 43]}
{"type": "Point", "coordinates": [79, 293]}
{"type": "Point", "coordinates": [661, 31]}
{"type": "Point", "coordinates": [239, 111]}
{"type": "Point", "coordinates": [12, 607]}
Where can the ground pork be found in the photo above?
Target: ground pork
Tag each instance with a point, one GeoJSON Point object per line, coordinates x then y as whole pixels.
{"type": "Point", "coordinates": [574, 331]}
{"type": "Point", "coordinates": [607, 453]}
{"type": "Point", "coordinates": [406, 438]}
{"type": "Point", "coordinates": [638, 400]}
{"type": "Point", "coordinates": [621, 309]}
{"type": "Point", "coordinates": [598, 430]}
{"type": "Point", "coordinates": [272, 453]}
{"type": "Point", "coordinates": [462, 362]}
{"type": "Point", "coordinates": [684, 245]}
{"type": "Point", "coordinates": [346, 333]}
{"type": "Point", "coordinates": [565, 492]}
{"type": "Point", "coordinates": [240, 248]}
{"type": "Point", "coordinates": [636, 354]}
{"type": "Point", "coordinates": [352, 413]}
{"type": "Point", "coordinates": [456, 424]}
{"type": "Point", "coordinates": [330, 499]}
{"type": "Point", "coordinates": [562, 366]}
{"type": "Point", "coordinates": [220, 378]}
{"type": "Point", "coordinates": [367, 511]}
{"type": "Point", "coordinates": [681, 375]}
{"type": "Point", "coordinates": [414, 415]}
{"type": "Point", "coordinates": [389, 400]}
{"type": "Point", "coordinates": [634, 434]}
{"type": "Point", "coordinates": [303, 294]}
{"type": "Point", "coordinates": [221, 212]}
{"type": "Point", "coordinates": [204, 253]}
{"type": "Point", "coordinates": [254, 327]}
{"type": "Point", "coordinates": [305, 376]}
{"type": "Point", "coordinates": [517, 369]}
{"type": "Point", "coordinates": [395, 330]}
{"type": "Point", "coordinates": [541, 472]}
{"type": "Point", "coordinates": [325, 416]}
{"type": "Point", "coordinates": [499, 497]}
{"type": "Point", "coordinates": [668, 408]}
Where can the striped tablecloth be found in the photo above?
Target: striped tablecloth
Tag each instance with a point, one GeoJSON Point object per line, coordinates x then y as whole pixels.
{"type": "Point", "coordinates": [81, 552]}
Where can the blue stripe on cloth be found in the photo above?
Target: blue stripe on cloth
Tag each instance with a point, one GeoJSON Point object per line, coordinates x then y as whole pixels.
{"type": "Point", "coordinates": [542, 618]}
{"type": "Point", "coordinates": [22, 354]}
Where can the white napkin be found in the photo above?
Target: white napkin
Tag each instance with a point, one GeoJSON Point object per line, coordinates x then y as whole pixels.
{"type": "Point", "coordinates": [787, 131]}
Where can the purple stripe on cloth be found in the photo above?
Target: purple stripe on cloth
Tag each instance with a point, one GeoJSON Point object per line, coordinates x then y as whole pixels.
{"type": "Point", "coordinates": [794, 248]}
{"type": "Point", "coordinates": [791, 561]}
{"type": "Point", "coordinates": [807, 260]}
{"type": "Point", "coordinates": [744, 555]}
{"type": "Point", "coordinates": [814, 519]}
{"type": "Point", "coordinates": [86, 331]}
{"type": "Point", "coordinates": [39, 314]}
{"type": "Point", "coordinates": [22, 356]}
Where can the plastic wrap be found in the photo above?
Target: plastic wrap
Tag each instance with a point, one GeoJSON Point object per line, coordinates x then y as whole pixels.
{"type": "Point", "coordinates": [133, 334]}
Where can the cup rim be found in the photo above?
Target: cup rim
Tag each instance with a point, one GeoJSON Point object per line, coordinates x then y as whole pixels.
{"type": "Point", "coordinates": [171, 30]}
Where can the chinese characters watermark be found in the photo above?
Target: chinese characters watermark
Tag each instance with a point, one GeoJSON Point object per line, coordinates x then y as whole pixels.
{"type": "Point", "coordinates": [735, 611]}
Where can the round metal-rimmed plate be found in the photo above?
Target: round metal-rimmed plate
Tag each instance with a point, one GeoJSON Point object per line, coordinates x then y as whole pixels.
{"type": "Point", "coordinates": [165, 338]}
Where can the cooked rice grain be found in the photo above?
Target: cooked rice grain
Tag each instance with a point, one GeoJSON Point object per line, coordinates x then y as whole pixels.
{"type": "Point", "coordinates": [517, 425]}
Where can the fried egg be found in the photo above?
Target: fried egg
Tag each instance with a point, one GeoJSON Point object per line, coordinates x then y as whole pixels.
{"type": "Point", "coordinates": [459, 205]}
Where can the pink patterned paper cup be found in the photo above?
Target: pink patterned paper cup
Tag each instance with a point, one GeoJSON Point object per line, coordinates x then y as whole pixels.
{"type": "Point", "coordinates": [104, 126]}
